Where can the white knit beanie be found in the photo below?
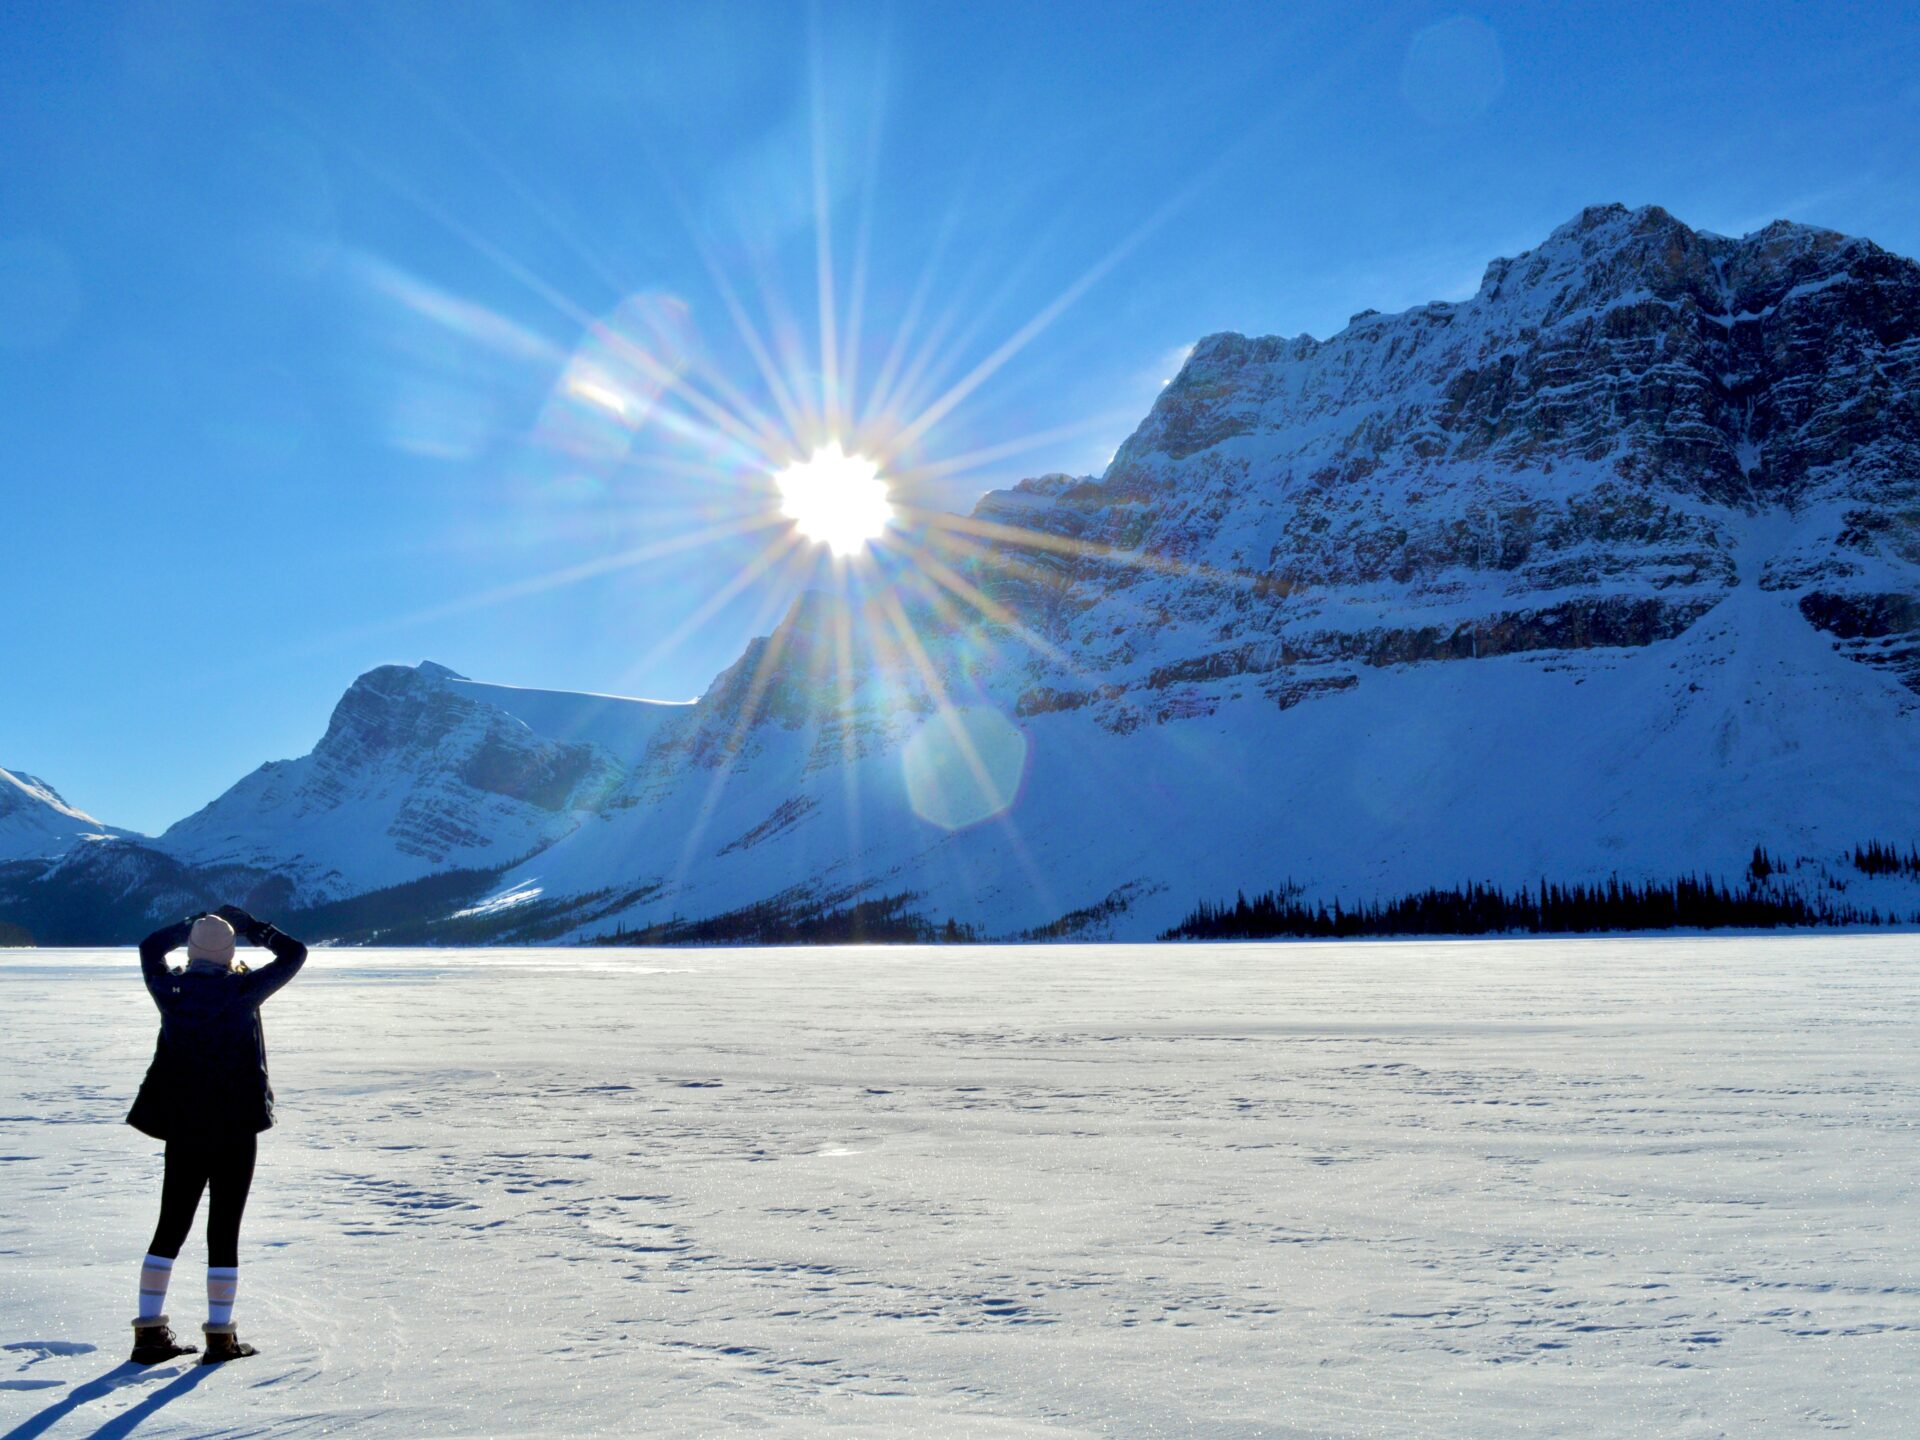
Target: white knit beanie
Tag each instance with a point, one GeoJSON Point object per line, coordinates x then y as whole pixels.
{"type": "Point", "coordinates": [211, 939]}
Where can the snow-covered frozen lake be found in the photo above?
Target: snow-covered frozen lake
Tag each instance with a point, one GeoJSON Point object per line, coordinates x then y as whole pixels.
{"type": "Point", "coordinates": [1620, 1187]}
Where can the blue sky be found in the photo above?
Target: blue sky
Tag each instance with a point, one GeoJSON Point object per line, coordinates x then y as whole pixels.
{"type": "Point", "coordinates": [288, 293]}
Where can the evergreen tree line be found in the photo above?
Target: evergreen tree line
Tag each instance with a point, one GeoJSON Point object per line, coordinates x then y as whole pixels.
{"type": "Point", "coordinates": [1874, 858]}
{"type": "Point", "coordinates": [1688, 903]}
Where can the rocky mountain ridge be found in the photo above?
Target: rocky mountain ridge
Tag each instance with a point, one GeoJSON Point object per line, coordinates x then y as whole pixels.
{"type": "Point", "coordinates": [1550, 465]}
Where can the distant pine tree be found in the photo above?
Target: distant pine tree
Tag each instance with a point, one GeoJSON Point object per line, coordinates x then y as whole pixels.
{"type": "Point", "coordinates": [1876, 858]}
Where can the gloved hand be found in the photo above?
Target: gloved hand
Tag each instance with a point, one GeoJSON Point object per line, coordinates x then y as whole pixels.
{"type": "Point", "coordinates": [244, 925]}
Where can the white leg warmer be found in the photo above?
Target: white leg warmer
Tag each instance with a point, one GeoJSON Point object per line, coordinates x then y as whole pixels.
{"type": "Point", "coordinates": [155, 1272]}
{"type": "Point", "coordinates": [223, 1283]}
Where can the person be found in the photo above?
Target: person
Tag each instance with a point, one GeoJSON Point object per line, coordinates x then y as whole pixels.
{"type": "Point", "coordinates": [206, 1095]}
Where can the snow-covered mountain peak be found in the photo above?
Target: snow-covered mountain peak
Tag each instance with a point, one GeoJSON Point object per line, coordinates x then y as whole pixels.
{"type": "Point", "coordinates": [19, 790]}
{"type": "Point", "coordinates": [415, 705]}
{"type": "Point", "coordinates": [1562, 461]}
{"type": "Point", "coordinates": [35, 822]}
{"type": "Point", "coordinates": [1626, 341]}
{"type": "Point", "coordinates": [422, 769]}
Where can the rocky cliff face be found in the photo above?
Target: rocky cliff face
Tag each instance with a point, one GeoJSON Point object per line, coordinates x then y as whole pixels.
{"type": "Point", "coordinates": [1565, 461]}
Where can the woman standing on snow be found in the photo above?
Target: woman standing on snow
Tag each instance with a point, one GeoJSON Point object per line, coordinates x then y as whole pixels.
{"type": "Point", "coordinates": [206, 1094]}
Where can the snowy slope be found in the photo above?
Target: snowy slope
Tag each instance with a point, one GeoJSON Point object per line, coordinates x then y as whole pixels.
{"type": "Point", "coordinates": [35, 822]}
{"type": "Point", "coordinates": [1656, 760]}
{"type": "Point", "coordinates": [620, 726]}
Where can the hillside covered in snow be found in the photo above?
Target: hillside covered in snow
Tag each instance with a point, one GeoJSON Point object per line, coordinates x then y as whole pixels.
{"type": "Point", "coordinates": [1610, 570]}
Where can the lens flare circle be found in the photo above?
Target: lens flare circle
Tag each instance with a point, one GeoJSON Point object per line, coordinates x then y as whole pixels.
{"type": "Point", "coordinates": [963, 766]}
{"type": "Point", "coordinates": [835, 498]}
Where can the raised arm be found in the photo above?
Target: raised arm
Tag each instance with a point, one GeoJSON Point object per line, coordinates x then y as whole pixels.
{"type": "Point", "coordinates": [288, 953]}
{"type": "Point", "coordinates": [288, 956]}
{"type": "Point", "coordinates": [153, 954]}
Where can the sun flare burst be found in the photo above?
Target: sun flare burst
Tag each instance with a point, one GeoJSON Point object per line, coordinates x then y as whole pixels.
{"type": "Point", "coordinates": [835, 498]}
{"type": "Point", "coordinates": [917, 601]}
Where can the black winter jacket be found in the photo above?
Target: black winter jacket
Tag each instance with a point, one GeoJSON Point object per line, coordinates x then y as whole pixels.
{"type": "Point", "coordinates": [208, 1080]}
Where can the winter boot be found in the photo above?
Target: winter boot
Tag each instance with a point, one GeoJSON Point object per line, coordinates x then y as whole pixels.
{"type": "Point", "coordinates": [154, 1342]}
{"type": "Point", "coordinates": [223, 1344]}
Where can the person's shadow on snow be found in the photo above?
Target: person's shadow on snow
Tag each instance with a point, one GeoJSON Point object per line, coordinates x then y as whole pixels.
{"type": "Point", "coordinates": [117, 1378]}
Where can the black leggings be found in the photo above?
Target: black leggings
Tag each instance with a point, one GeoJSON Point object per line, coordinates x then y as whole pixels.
{"type": "Point", "coordinates": [227, 1170]}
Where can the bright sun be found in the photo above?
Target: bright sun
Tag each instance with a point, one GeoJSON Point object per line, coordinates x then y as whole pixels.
{"type": "Point", "coordinates": [835, 498]}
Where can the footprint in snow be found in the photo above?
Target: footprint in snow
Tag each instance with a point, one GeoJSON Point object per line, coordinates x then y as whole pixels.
{"type": "Point", "coordinates": [32, 1352]}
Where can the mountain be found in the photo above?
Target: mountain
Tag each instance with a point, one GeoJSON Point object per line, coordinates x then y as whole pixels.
{"type": "Point", "coordinates": [39, 831]}
{"type": "Point", "coordinates": [1610, 570]}
{"type": "Point", "coordinates": [35, 822]}
{"type": "Point", "coordinates": [421, 771]}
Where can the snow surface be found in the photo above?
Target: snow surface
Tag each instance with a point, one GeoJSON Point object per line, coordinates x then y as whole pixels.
{"type": "Point", "coordinates": [1623, 1187]}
